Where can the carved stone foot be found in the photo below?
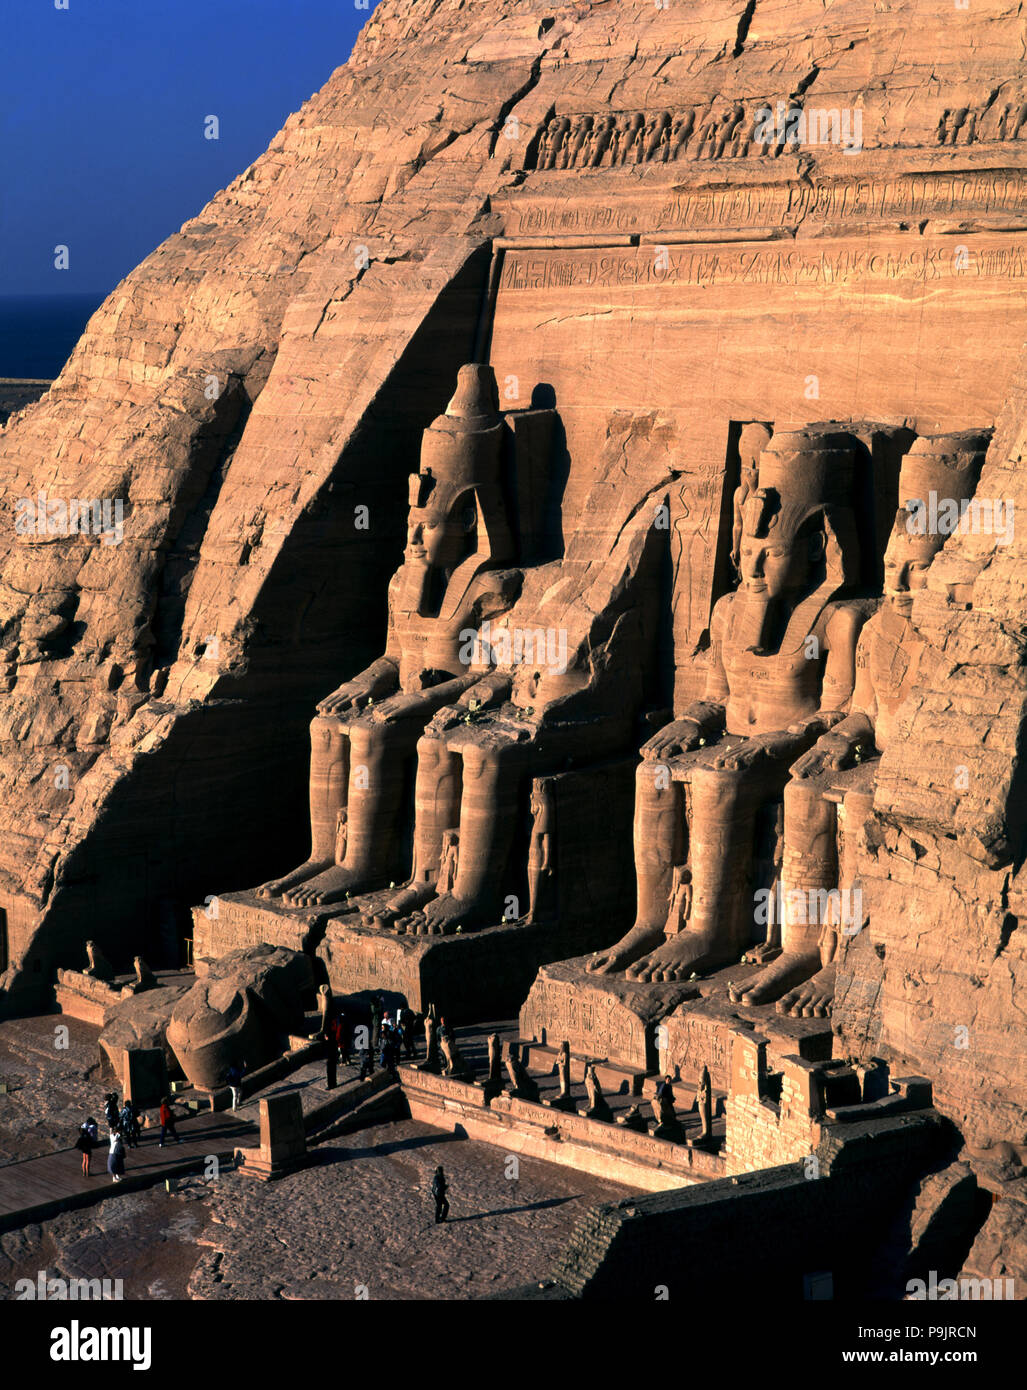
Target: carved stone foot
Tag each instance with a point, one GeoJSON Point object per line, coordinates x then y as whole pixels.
{"type": "Point", "coordinates": [813, 999]}
{"type": "Point", "coordinates": [331, 886]}
{"type": "Point", "coordinates": [442, 917]}
{"type": "Point", "coordinates": [391, 912]}
{"type": "Point", "coordinates": [275, 887]}
{"type": "Point", "coordinates": [773, 980]}
{"type": "Point", "coordinates": [640, 938]}
{"type": "Point", "coordinates": [682, 956]}
{"type": "Point", "coordinates": [762, 954]}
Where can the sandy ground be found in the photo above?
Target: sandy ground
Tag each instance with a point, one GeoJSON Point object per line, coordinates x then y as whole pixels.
{"type": "Point", "coordinates": [357, 1223]}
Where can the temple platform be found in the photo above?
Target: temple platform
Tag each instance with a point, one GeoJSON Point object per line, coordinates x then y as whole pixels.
{"type": "Point", "coordinates": [674, 1028]}
{"type": "Point", "coordinates": [466, 975]}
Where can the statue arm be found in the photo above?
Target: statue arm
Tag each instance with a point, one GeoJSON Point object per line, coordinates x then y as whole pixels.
{"type": "Point", "coordinates": [377, 680]}
{"type": "Point", "coordinates": [487, 691]}
{"type": "Point", "coordinates": [840, 638]}
{"type": "Point", "coordinates": [703, 721]}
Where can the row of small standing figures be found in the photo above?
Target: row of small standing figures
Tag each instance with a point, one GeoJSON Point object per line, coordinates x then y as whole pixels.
{"type": "Point", "coordinates": [594, 142]}
{"type": "Point", "coordinates": [443, 1056]}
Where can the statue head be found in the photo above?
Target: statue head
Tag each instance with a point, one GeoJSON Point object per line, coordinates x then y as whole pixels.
{"type": "Point", "coordinates": [948, 465]}
{"type": "Point", "coordinates": [798, 530]}
{"type": "Point", "coordinates": [458, 514]}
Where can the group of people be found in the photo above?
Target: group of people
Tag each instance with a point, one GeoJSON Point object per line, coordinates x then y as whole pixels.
{"type": "Point", "coordinates": [390, 1035]}
{"type": "Point", "coordinates": [123, 1128]}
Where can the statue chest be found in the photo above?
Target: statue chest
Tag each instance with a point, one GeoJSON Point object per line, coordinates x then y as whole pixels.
{"type": "Point", "coordinates": [768, 692]}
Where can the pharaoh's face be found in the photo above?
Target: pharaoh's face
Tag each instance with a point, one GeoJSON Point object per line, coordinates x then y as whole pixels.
{"type": "Point", "coordinates": [906, 562]}
{"type": "Point", "coordinates": [439, 535]}
{"type": "Point", "coordinates": [776, 563]}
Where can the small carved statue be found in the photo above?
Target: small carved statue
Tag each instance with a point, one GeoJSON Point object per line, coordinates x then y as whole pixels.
{"type": "Point", "coordinates": [540, 847]}
{"type": "Point", "coordinates": [597, 1108]}
{"type": "Point", "coordinates": [99, 967]}
{"type": "Point", "coordinates": [704, 1104]}
{"type": "Point", "coordinates": [144, 976]}
{"type": "Point", "coordinates": [324, 1009]}
{"type": "Point", "coordinates": [493, 1083]}
{"type": "Point", "coordinates": [564, 1100]}
{"type": "Point", "coordinates": [522, 1086]}
{"type": "Point", "coordinates": [432, 1061]}
{"type": "Point", "coordinates": [455, 1064]}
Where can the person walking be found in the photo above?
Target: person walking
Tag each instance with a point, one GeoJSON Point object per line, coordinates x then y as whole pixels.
{"type": "Point", "coordinates": [233, 1079]}
{"type": "Point", "coordinates": [116, 1157]}
{"type": "Point", "coordinates": [366, 1063]}
{"type": "Point", "coordinates": [88, 1137]}
{"type": "Point", "coordinates": [167, 1123]}
{"type": "Point", "coordinates": [111, 1111]}
{"type": "Point", "coordinates": [438, 1192]}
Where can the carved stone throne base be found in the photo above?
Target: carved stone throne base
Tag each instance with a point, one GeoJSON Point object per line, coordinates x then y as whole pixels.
{"type": "Point", "coordinates": [235, 920]}
{"type": "Point", "coordinates": [616, 1019]}
{"type": "Point", "coordinates": [699, 1034]}
{"type": "Point", "coordinates": [467, 976]}
{"type": "Point", "coordinates": [601, 1016]}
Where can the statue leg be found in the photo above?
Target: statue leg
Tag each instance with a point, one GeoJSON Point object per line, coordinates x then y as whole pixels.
{"type": "Point", "coordinates": [722, 837]}
{"type": "Point", "coordinates": [489, 806]}
{"type": "Point", "coordinates": [378, 754]}
{"type": "Point", "coordinates": [436, 810]}
{"type": "Point", "coordinates": [329, 748]}
{"type": "Point", "coordinates": [809, 876]}
{"type": "Point", "coordinates": [814, 997]}
{"type": "Point", "coordinates": [659, 834]}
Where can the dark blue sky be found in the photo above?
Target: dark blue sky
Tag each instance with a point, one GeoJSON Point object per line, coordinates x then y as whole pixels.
{"type": "Point", "coordinates": [102, 110]}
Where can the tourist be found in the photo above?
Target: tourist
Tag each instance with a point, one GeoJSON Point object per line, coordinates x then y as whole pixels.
{"type": "Point", "coordinates": [167, 1122]}
{"type": "Point", "coordinates": [111, 1112]}
{"type": "Point", "coordinates": [88, 1138]}
{"type": "Point", "coordinates": [390, 1048]}
{"type": "Point", "coordinates": [129, 1124]}
{"type": "Point", "coordinates": [233, 1079]}
{"type": "Point", "coordinates": [665, 1090]}
{"type": "Point", "coordinates": [438, 1191]}
{"type": "Point", "coordinates": [366, 1063]}
{"type": "Point", "coordinates": [116, 1157]}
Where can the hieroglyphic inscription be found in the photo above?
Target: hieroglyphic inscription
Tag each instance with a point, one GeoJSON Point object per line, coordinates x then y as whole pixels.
{"type": "Point", "coordinates": [694, 1042]}
{"type": "Point", "coordinates": [760, 265]}
{"type": "Point", "coordinates": [961, 193]}
{"type": "Point", "coordinates": [594, 1022]}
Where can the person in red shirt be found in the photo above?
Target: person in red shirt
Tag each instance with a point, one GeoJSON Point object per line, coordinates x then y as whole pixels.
{"type": "Point", "coordinates": [167, 1122]}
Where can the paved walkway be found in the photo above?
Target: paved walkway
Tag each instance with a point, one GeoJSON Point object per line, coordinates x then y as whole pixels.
{"type": "Point", "coordinates": [37, 1188]}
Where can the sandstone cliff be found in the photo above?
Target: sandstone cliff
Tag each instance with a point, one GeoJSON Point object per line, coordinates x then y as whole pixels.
{"type": "Point", "coordinates": [266, 373]}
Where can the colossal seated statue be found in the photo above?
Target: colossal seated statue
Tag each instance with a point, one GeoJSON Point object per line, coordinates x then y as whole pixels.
{"type": "Point", "coordinates": [571, 701]}
{"type": "Point", "coordinates": [781, 673]}
{"type": "Point", "coordinates": [830, 792]}
{"type": "Point", "coordinates": [456, 573]}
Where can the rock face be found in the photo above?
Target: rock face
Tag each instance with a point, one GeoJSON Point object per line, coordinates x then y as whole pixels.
{"type": "Point", "coordinates": [620, 210]}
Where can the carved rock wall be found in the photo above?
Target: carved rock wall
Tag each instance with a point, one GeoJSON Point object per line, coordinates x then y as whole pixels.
{"type": "Point", "coordinates": [152, 733]}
